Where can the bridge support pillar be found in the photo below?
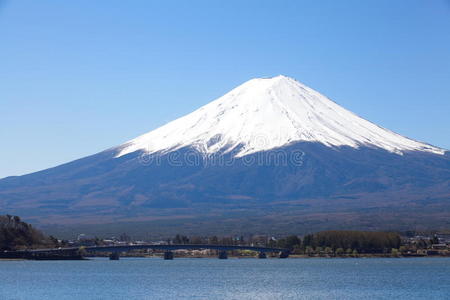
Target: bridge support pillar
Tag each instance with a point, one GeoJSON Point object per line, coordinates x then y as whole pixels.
{"type": "Point", "coordinates": [168, 255]}
{"type": "Point", "coordinates": [284, 254]}
{"type": "Point", "coordinates": [262, 255]}
{"type": "Point", "coordinates": [114, 256]}
{"type": "Point", "coordinates": [223, 255]}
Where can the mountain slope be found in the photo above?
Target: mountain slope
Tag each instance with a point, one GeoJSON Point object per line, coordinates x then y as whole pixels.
{"type": "Point", "coordinates": [272, 151]}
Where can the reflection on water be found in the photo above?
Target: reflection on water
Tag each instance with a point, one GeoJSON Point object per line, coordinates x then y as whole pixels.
{"type": "Point", "coordinates": [185, 278]}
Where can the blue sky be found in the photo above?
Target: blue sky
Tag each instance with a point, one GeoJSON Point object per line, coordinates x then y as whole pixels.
{"type": "Point", "coordinates": [77, 77]}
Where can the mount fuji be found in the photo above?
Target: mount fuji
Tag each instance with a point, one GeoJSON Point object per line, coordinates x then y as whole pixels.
{"type": "Point", "coordinates": [264, 114]}
{"type": "Point", "coordinates": [270, 155]}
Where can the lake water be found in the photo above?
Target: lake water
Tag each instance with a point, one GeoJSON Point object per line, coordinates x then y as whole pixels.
{"type": "Point", "coordinates": [184, 278]}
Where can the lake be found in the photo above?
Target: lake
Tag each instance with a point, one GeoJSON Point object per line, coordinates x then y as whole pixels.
{"type": "Point", "coordinates": [205, 278]}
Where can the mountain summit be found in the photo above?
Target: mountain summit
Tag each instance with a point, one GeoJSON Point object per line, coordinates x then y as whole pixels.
{"type": "Point", "coordinates": [350, 174]}
{"type": "Point", "coordinates": [268, 113]}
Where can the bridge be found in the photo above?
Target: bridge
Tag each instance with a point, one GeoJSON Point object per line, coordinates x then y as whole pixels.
{"type": "Point", "coordinates": [168, 249]}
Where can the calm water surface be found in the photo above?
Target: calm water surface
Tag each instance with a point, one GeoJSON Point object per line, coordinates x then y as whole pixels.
{"type": "Point", "coordinates": [183, 278]}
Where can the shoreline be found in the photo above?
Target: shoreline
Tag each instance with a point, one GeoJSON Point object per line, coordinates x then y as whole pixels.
{"type": "Point", "coordinates": [87, 258]}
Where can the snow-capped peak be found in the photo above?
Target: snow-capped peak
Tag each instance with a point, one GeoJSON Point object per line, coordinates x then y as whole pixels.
{"type": "Point", "coordinates": [267, 113]}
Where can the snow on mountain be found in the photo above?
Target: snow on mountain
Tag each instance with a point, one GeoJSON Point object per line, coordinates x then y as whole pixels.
{"type": "Point", "coordinates": [267, 113]}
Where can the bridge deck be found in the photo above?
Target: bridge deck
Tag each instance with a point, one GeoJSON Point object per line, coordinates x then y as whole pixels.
{"type": "Point", "coordinates": [125, 248]}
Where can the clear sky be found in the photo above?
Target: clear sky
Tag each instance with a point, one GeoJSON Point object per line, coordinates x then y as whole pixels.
{"type": "Point", "coordinates": [77, 77]}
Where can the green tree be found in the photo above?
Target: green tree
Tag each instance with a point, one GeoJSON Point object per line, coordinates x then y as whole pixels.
{"type": "Point", "coordinates": [403, 249]}
{"type": "Point", "coordinates": [394, 252]}
{"type": "Point", "coordinates": [289, 242]}
{"type": "Point", "coordinates": [339, 251]}
{"type": "Point", "coordinates": [214, 240]}
{"type": "Point", "coordinates": [308, 240]}
{"type": "Point", "coordinates": [434, 240]}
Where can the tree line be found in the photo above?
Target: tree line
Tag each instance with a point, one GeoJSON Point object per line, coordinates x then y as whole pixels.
{"type": "Point", "coordinates": [330, 242]}
{"type": "Point", "coordinates": [16, 234]}
{"type": "Point", "coordinates": [342, 241]}
{"type": "Point", "coordinates": [361, 241]}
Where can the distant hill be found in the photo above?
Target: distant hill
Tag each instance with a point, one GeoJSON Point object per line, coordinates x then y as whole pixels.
{"type": "Point", "coordinates": [16, 234]}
